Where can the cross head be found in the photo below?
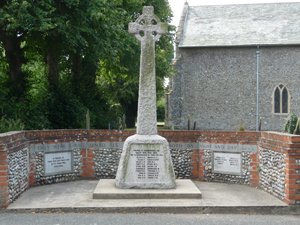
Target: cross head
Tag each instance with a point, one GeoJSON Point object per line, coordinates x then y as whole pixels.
{"type": "Point", "coordinates": [148, 25]}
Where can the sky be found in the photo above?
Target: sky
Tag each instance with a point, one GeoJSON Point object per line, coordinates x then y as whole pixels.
{"type": "Point", "coordinates": [177, 5]}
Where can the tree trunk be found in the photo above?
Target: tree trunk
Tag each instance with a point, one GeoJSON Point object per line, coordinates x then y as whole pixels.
{"type": "Point", "coordinates": [130, 110]}
{"type": "Point", "coordinates": [89, 69]}
{"type": "Point", "coordinates": [15, 59]}
{"type": "Point", "coordinates": [76, 71]}
{"type": "Point", "coordinates": [53, 68]}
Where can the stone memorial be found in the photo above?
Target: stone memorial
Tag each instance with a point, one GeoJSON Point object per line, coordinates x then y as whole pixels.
{"type": "Point", "coordinates": [145, 169]}
{"type": "Point", "coordinates": [58, 163]}
{"type": "Point", "coordinates": [145, 161]}
{"type": "Point", "coordinates": [227, 163]}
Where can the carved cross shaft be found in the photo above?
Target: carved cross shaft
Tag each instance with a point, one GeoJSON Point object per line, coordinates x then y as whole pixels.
{"type": "Point", "coordinates": [148, 29]}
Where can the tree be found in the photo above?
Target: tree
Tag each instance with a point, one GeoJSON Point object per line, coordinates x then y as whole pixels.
{"type": "Point", "coordinates": [120, 80]}
{"type": "Point", "coordinates": [11, 36]}
{"type": "Point", "coordinates": [63, 57]}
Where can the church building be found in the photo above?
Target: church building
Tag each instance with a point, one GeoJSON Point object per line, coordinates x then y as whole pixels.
{"type": "Point", "coordinates": [237, 67]}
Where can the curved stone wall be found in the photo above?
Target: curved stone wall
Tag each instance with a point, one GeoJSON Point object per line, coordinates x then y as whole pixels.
{"type": "Point", "coordinates": [43, 157]}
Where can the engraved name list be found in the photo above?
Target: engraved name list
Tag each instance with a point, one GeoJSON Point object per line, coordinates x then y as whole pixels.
{"type": "Point", "coordinates": [147, 163]}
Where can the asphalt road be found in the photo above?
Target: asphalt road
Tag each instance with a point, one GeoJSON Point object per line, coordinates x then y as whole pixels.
{"type": "Point", "coordinates": [141, 219]}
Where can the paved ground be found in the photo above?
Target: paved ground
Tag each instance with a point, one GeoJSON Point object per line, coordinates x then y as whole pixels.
{"type": "Point", "coordinates": [145, 219]}
{"type": "Point", "coordinates": [216, 198]}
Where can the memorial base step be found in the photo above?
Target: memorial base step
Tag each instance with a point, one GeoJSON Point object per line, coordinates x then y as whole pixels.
{"type": "Point", "coordinates": [185, 189]}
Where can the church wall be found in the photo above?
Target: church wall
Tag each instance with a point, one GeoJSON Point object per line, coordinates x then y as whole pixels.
{"type": "Point", "coordinates": [279, 65]}
{"type": "Point", "coordinates": [216, 87]}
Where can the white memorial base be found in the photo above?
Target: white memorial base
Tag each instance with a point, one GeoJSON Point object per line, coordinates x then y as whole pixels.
{"type": "Point", "coordinates": [145, 163]}
{"type": "Point", "coordinates": [185, 189]}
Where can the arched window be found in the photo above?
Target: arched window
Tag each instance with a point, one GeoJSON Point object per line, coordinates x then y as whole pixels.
{"type": "Point", "coordinates": [281, 99]}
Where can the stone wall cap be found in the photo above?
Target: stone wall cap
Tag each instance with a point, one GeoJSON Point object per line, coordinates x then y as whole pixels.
{"type": "Point", "coordinates": [10, 133]}
{"type": "Point", "coordinates": [281, 136]}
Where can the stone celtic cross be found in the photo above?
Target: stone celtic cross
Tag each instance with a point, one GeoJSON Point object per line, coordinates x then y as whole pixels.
{"type": "Point", "coordinates": [146, 160]}
{"type": "Point", "coordinates": [148, 29]}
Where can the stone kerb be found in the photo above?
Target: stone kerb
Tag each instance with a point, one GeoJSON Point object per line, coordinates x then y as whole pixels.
{"type": "Point", "coordinates": [279, 156]}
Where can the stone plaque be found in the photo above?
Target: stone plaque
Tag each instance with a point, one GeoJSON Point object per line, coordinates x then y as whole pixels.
{"type": "Point", "coordinates": [146, 162]}
{"type": "Point", "coordinates": [58, 163]}
{"type": "Point", "coordinates": [227, 163]}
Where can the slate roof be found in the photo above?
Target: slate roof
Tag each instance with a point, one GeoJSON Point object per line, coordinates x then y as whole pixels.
{"type": "Point", "coordinates": [241, 25]}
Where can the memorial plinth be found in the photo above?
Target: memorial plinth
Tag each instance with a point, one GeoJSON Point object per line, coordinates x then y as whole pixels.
{"type": "Point", "coordinates": [145, 163]}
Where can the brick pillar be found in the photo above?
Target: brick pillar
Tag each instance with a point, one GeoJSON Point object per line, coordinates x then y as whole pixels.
{"type": "Point", "coordinates": [198, 164]}
{"type": "Point", "coordinates": [254, 173]}
{"type": "Point", "coordinates": [201, 164]}
{"type": "Point", "coordinates": [292, 178]}
{"type": "Point", "coordinates": [289, 146]}
{"type": "Point", "coordinates": [4, 198]}
{"type": "Point", "coordinates": [88, 164]}
{"type": "Point", "coordinates": [32, 173]}
{"type": "Point", "coordinates": [195, 164]}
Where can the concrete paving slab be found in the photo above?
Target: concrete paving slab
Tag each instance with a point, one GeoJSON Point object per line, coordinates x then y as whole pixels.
{"type": "Point", "coordinates": [216, 197]}
{"type": "Point", "coordinates": [219, 194]}
{"type": "Point", "coordinates": [185, 189]}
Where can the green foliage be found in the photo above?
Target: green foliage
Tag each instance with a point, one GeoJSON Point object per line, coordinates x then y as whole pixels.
{"type": "Point", "coordinates": [119, 78]}
{"type": "Point", "coordinates": [241, 127]}
{"type": "Point", "coordinates": [69, 56]}
{"type": "Point", "coordinates": [292, 124]}
{"type": "Point", "coordinates": [3, 80]}
{"type": "Point", "coordinates": [7, 125]}
{"type": "Point", "coordinates": [64, 110]}
{"type": "Point", "coordinates": [161, 103]}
